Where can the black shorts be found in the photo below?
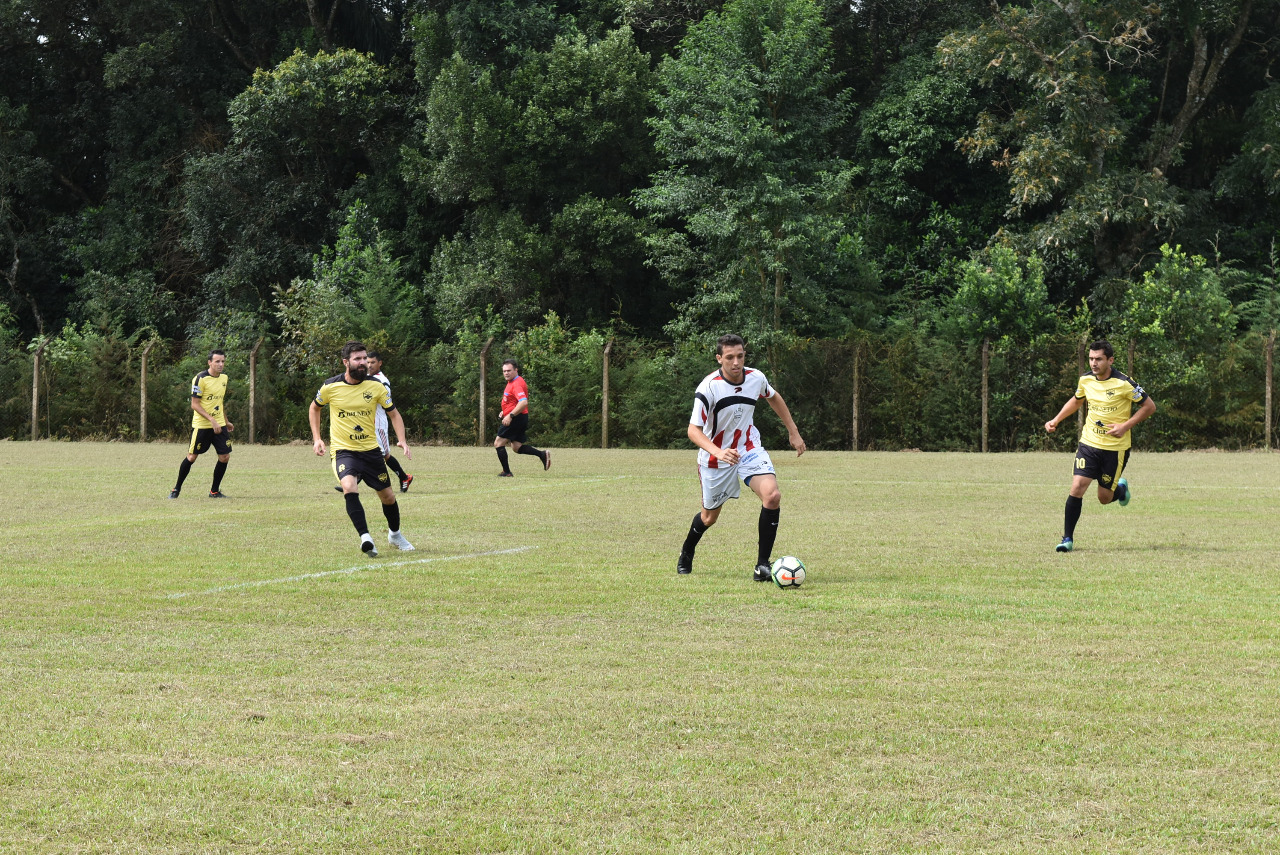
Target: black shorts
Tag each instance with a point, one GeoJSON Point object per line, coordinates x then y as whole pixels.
{"type": "Point", "coordinates": [1101, 465]}
{"type": "Point", "coordinates": [515, 432]}
{"type": "Point", "coordinates": [202, 438]}
{"type": "Point", "coordinates": [368, 466]}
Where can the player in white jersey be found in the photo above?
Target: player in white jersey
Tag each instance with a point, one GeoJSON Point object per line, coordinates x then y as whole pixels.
{"type": "Point", "coordinates": [380, 423]}
{"type": "Point", "coordinates": [723, 427]}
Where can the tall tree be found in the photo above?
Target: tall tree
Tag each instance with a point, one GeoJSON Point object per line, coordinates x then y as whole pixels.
{"type": "Point", "coordinates": [747, 111]}
{"type": "Point", "coordinates": [1093, 115]}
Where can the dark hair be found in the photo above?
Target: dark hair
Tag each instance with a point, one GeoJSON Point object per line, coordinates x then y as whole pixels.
{"type": "Point", "coordinates": [513, 364]}
{"type": "Point", "coordinates": [373, 354]}
{"type": "Point", "coordinates": [352, 347]}
{"type": "Point", "coordinates": [1103, 345]}
{"type": "Point", "coordinates": [729, 340]}
{"type": "Point", "coordinates": [217, 350]}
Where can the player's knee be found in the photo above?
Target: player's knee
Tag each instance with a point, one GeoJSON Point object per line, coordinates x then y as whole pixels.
{"type": "Point", "coordinates": [223, 458]}
{"type": "Point", "coordinates": [772, 499]}
{"type": "Point", "coordinates": [709, 517]}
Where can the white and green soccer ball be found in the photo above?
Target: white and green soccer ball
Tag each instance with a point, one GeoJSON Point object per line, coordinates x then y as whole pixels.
{"type": "Point", "coordinates": [788, 572]}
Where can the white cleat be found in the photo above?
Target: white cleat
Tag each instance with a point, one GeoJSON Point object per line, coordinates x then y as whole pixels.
{"type": "Point", "coordinates": [397, 540]}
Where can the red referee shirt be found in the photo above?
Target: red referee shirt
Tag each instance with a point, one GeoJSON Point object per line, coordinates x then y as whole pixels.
{"type": "Point", "coordinates": [515, 392]}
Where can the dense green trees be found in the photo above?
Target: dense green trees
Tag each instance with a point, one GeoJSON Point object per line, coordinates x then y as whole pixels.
{"type": "Point", "coordinates": [924, 176]}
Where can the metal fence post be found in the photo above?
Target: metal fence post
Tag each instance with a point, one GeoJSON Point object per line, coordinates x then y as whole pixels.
{"type": "Point", "coordinates": [484, 379]}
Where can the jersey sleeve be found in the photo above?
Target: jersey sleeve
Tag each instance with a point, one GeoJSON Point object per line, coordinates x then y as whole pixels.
{"type": "Point", "coordinates": [1139, 394]}
{"type": "Point", "coordinates": [701, 407]}
{"type": "Point", "coordinates": [766, 391]}
{"type": "Point", "coordinates": [321, 397]}
{"type": "Point", "coordinates": [521, 390]}
{"type": "Point", "coordinates": [196, 391]}
{"type": "Point", "coordinates": [387, 403]}
{"type": "Point", "coordinates": [1080, 385]}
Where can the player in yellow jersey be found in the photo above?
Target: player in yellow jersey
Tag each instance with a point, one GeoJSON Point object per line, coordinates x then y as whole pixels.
{"type": "Point", "coordinates": [209, 423]}
{"type": "Point", "coordinates": [353, 398]}
{"type": "Point", "coordinates": [1104, 445]}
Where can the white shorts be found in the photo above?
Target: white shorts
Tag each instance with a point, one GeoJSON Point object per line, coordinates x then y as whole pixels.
{"type": "Point", "coordinates": [721, 484]}
{"type": "Point", "coordinates": [380, 428]}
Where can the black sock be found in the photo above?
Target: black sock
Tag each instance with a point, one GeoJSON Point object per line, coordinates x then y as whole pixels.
{"type": "Point", "coordinates": [395, 467]}
{"type": "Point", "coordinates": [502, 458]}
{"type": "Point", "coordinates": [184, 469]}
{"type": "Point", "coordinates": [355, 510]}
{"type": "Point", "coordinates": [1074, 505]}
{"type": "Point", "coordinates": [529, 449]}
{"type": "Point", "coordinates": [219, 469]}
{"type": "Point", "coordinates": [392, 513]}
{"type": "Point", "coordinates": [768, 527]}
{"type": "Point", "coordinates": [696, 530]}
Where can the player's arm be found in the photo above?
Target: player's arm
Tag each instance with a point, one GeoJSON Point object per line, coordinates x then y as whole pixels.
{"type": "Point", "coordinates": [397, 421]}
{"type": "Point", "coordinates": [700, 439]}
{"type": "Point", "coordinates": [313, 415]}
{"type": "Point", "coordinates": [793, 432]}
{"type": "Point", "coordinates": [1146, 411]}
{"type": "Point", "coordinates": [199, 408]}
{"type": "Point", "coordinates": [1073, 403]}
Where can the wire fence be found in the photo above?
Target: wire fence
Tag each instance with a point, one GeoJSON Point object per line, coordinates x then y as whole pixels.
{"type": "Point", "coordinates": [906, 391]}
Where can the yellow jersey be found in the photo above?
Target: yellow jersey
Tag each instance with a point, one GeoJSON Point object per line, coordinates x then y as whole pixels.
{"type": "Point", "coordinates": [212, 392]}
{"type": "Point", "coordinates": [351, 411]}
{"type": "Point", "coordinates": [1111, 401]}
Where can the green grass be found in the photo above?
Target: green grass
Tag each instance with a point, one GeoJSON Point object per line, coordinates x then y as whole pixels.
{"type": "Point", "coordinates": [179, 677]}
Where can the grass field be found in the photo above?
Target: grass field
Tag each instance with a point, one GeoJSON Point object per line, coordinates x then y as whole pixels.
{"type": "Point", "coordinates": [203, 676]}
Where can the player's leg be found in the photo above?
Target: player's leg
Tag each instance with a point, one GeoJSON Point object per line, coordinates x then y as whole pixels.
{"type": "Point", "coordinates": [391, 510]}
{"type": "Point", "coordinates": [345, 469]}
{"type": "Point", "coordinates": [718, 486]}
{"type": "Point", "coordinates": [500, 444]}
{"type": "Point", "coordinates": [197, 447]}
{"type": "Point", "coordinates": [766, 487]}
{"type": "Point", "coordinates": [1071, 514]}
{"type": "Point", "coordinates": [223, 447]}
{"type": "Point", "coordinates": [1114, 464]}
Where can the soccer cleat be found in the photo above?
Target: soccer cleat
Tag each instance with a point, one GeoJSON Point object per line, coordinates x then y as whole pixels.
{"type": "Point", "coordinates": [505, 475]}
{"type": "Point", "coordinates": [338, 487]}
{"type": "Point", "coordinates": [173, 494]}
{"type": "Point", "coordinates": [1128, 491]}
{"type": "Point", "coordinates": [397, 540]}
{"type": "Point", "coordinates": [762, 573]}
{"type": "Point", "coordinates": [684, 564]}
{"type": "Point", "coordinates": [368, 548]}
{"type": "Point", "coordinates": [546, 460]}
{"type": "Point", "coordinates": [217, 494]}
{"type": "Point", "coordinates": [405, 482]}
{"type": "Point", "coordinates": [1065, 545]}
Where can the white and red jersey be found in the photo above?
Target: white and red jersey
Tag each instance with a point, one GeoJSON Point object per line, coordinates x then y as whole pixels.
{"type": "Point", "coordinates": [725, 412]}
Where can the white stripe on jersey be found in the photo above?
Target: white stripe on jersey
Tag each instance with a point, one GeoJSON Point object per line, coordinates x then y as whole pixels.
{"type": "Point", "coordinates": [725, 411]}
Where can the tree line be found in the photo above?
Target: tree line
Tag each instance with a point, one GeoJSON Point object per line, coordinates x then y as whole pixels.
{"type": "Point", "coordinates": [982, 179]}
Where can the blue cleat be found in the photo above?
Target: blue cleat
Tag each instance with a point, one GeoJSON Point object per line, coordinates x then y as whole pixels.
{"type": "Point", "coordinates": [1128, 492]}
{"type": "Point", "coordinates": [1065, 546]}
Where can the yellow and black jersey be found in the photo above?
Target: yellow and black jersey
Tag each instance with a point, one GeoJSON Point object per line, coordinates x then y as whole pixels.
{"type": "Point", "coordinates": [212, 394]}
{"type": "Point", "coordinates": [351, 412]}
{"type": "Point", "coordinates": [1111, 401]}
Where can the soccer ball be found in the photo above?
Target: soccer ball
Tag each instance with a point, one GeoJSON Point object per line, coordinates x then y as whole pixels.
{"type": "Point", "coordinates": [788, 572]}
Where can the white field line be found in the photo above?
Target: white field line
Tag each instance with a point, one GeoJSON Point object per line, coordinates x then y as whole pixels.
{"type": "Point", "coordinates": [359, 568]}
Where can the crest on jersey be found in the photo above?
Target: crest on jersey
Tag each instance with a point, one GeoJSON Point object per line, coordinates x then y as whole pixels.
{"type": "Point", "coordinates": [368, 396]}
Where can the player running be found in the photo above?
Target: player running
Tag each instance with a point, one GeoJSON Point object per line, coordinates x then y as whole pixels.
{"type": "Point", "coordinates": [352, 398]}
{"type": "Point", "coordinates": [1105, 442]}
{"type": "Point", "coordinates": [722, 426]}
